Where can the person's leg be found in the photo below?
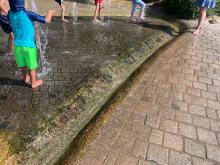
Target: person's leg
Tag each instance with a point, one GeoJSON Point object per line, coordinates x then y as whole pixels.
{"type": "Point", "coordinates": [201, 20]}
{"type": "Point", "coordinates": [63, 8]}
{"type": "Point", "coordinates": [35, 83]}
{"type": "Point", "coordinates": [142, 5]}
{"type": "Point", "coordinates": [95, 20]}
{"type": "Point", "coordinates": [49, 15]}
{"type": "Point", "coordinates": [134, 6]}
{"type": "Point", "coordinates": [100, 10]}
{"type": "Point", "coordinates": [25, 74]}
{"type": "Point", "coordinates": [10, 43]}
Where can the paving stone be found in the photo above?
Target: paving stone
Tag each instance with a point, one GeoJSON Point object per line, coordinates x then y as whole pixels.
{"type": "Point", "coordinates": [176, 96]}
{"type": "Point", "coordinates": [191, 77]}
{"type": "Point", "coordinates": [214, 104]}
{"type": "Point", "coordinates": [138, 117]}
{"type": "Point", "coordinates": [158, 154]}
{"type": "Point", "coordinates": [140, 150]}
{"type": "Point", "coordinates": [195, 148]}
{"type": "Point", "coordinates": [180, 106]}
{"type": "Point", "coordinates": [186, 83]}
{"type": "Point", "coordinates": [183, 117]}
{"type": "Point", "coordinates": [179, 158]}
{"type": "Point", "coordinates": [169, 126]}
{"type": "Point", "coordinates": [207, 136]}
{"type": "Point", "coordinates": [199, 85]}
{"type": "Point", "coordinates": [197, 161]}
{"type": "Point", "coordinates": [125, 160]}
{"type": "Point", "coordinates": [205, 80]}
{"type": "Point", "coordinates": [88, 160]}
{"type": "Point", "coordinates": [163, 101]}
{"type": "Point", "coordinates": [195, 100]}
{"type": "Point", "coordinates": [139, 132]}
{"type": "Point", "coordinates": [211, 113]}
{"type": "Point", "coordinates": [213, 153]}
{"type": "Point", "coordinates": [197, 110]}
{"type": "Point", "coordinates": [145, 162]}
{"type": "Point", "coordinates": [166, 113]}
{"type": "Point", "coordinates": [215, 125]}
{"type": "Point", "coordinates": [173, 141]}
{"type": "Point", "coordinates": [209, 95]}
{"type": "Point", "coordinates": [153, 121]}
{"type": "Point", "coordinates": [110, 159]}
{"type": "Point", "coordinates": [148, 108]}
{"type": "Point", "coordinates": [201, 121]}
{"type": "Point", "coordinates": [156, 136]}
{"type": "Point", "coordinates": [187, 131]}
{"type": "Point", "coordinates": [193, 91]}
{"type": "Point", "coordinates": [123, 145]}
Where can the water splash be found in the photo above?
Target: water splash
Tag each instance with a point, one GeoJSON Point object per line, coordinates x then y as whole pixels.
{"type": "Point", "coordinates": [108, 5]}
{"type": "Point", "coordinates": [75, 12]}
{"type": "Point", "coordinates": [41, 33]}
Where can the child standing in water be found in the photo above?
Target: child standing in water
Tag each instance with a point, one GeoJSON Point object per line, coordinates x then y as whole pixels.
{"type": "Point", "coordinates": [136, 3]}
{"type": "Point", "coordinates": [63, 8]}
{"type": "Point", "coordinates": [99, 5]}
{"type": "Point", "coordinates": [5, 24]}
{"type": "Point", "coordinates": [24, 45]}
{"type": "Point", "coordinates": [203, 5]}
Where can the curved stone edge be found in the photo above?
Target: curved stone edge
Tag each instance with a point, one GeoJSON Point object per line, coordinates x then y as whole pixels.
{"type": "Point", "coordinates": [93, 93]}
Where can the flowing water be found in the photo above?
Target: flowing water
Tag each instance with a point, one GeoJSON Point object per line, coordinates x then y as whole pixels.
{"type": "Point", "coordinates": [41, 33]}
{"type": "Point", "coordinates": [75, 12]}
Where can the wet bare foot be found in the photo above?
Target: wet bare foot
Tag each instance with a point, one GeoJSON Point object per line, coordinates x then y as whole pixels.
{"type": "Point", "coordinates": [96, 21]}
{"type": "Point", "coordinates": [197, 31]}
{"type": "Point", "coordinates": [64, 20]}
{"type": "Point", "coordinates": [101, 18]}
{"type": "Point", "coordinates": [27, 79]}
{"type": "Point", "coordinates": [36, 84]}
{"type": "Point", "coordinates": [133, 19]}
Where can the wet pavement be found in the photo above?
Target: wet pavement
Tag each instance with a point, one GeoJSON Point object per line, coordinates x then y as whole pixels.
{"type": "Point", "coordinates": [72, 53]}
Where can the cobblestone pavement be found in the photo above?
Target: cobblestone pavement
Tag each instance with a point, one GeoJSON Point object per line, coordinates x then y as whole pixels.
{"type": "Point", "coordinates": [172, 115]}
{"type": "Point", "coordinates": [73, 52]}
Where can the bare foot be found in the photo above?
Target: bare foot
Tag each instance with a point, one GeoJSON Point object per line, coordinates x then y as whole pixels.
{"type": "Point", "coordinates": [95, 21]}
{"type": "Point", "coordinates": [101, 18]}
{"type": "Point", "coordinates": [133, 19]}
{"type": "Point", "coordinates": [197, 31]}
{"type": "Point", "coordinates": [64, 20]}
{"type": "Point", "coordinates": [27, 79]}
{"type": "Point", "coordinates": [36, 84]}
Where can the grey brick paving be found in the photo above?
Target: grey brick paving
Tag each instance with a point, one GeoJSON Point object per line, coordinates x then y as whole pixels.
{"type": "Point", "coordinates": [177, 118]}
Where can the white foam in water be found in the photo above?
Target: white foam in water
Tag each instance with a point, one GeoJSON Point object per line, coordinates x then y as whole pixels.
{"type": "Point", "coordinates": [41, 41]}
{"type": "Point", "coordinates": [75, 12]}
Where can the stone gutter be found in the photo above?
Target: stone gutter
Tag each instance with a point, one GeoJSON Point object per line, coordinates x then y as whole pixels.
{"type": "Point", "coordinates": [92, 94]}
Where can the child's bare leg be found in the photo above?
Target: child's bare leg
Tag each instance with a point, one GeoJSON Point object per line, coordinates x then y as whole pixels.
{"type": "Point", "coordinates": [200, 21]}
{"type": "Point", "coordinates": [134, 6]}
{"type": "Point", "coordinates": [63, 8]}
{"type": "Point", "coordinates": [10, 43]}
{"type": "Point", "coordinates": [96, 13]}
{"type": "Point", "coordinates": [35, 83]}
{"type": "Point", "coordinates": [100, 9]}
{"type": "Point", "coordinates": [49, 15]}
{"type": "Point", "coordinates": [25, 74]}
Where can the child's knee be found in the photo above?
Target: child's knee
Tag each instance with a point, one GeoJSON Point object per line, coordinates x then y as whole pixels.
{"type": "Point", "coordinates": [133, 8]}
{"type": "Point", "coordinates": [142, 6]}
